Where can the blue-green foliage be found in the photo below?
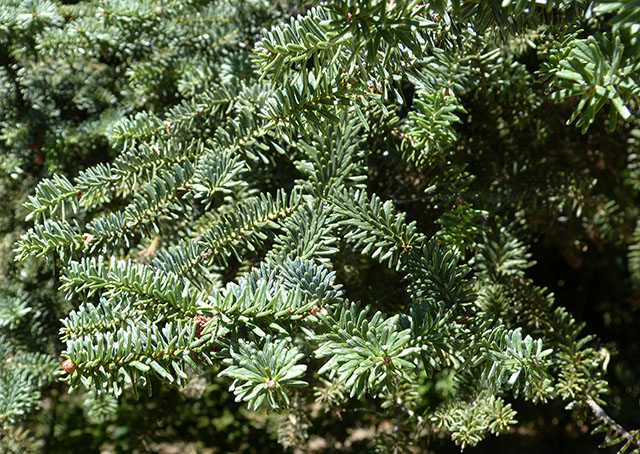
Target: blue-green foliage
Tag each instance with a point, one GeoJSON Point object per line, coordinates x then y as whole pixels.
{"type": "Point", "coordinates": [342, 196]}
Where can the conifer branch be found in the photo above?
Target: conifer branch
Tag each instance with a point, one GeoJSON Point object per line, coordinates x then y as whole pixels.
{"type": "Point", "coordinates": [602, 415]}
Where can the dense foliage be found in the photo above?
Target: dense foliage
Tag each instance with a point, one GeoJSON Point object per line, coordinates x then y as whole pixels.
{"type": "Point", "coordinates": [290, 221]}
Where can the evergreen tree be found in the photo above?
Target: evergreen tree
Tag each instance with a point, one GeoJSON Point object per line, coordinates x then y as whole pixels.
{"type": "Point", "coordinates": [320, 207]}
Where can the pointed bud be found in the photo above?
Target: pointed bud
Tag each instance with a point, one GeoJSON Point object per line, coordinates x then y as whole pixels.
{"type": "Point", "coordinates": [200, 321]}
{"type": "Point", "coordinates": [87, 238]}
{"type": "Point", "coordinates": [68, 366]}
